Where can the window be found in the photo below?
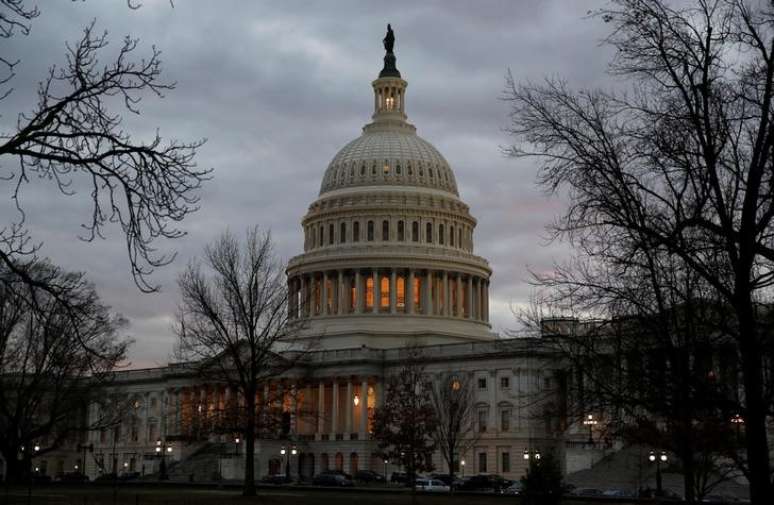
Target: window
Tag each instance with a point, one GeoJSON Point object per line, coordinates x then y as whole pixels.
{"type": "Point", "coordinates": [356, 231]}
{"type": "Point", "coordinates": [481, 462]}
{"type": "Point", "coordinates": [451, 236]}
{"type": "Point", "coordinates": [482, 415]}
{"type": "Point", "coordinates": [415, 231]}
{"type": "Point", "coordinates": [352, 293]}
{"type": "Point", "coordinates": [440, 234]}
{"type": "Point", "coordinates": [505, 420]}
{"type": "Point", "coordinates": [370, 231]}
{"type": "Point", "coordinates": [505, 382]}
{"type": "Point", "coordinates": [429, 233]}
{"type": "Point", "coordinates": [369, 298]}
{"type": "Point", "coordinates": [416, 291]}
{"type": "Point", "coordinates": [386, 167]}
{"type": "Point", "coordinates": [385, 230]}
{"type": "Point", "coordinates": [343, 233]}
{"type": "Point", "coordinates": [322, 235]}
{"type": "Point", "coordinates": [400, 293]}
{"type": "Point", "coordinates": [401, 236]}
{"type": "Point", "coordinates": [482, 383]}
{"type": "Point", "coordinates": [505, 462]}
{"type": "Point", "coordinates": [330, 234]}
{"type": "Point", "coordinates": [384, 293]}
{"type": "Point", "coordinates": [459, 236]}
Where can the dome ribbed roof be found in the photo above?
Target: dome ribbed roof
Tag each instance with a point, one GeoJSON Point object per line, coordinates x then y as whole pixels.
{"type": "Point", "coordinates": [389, 157]}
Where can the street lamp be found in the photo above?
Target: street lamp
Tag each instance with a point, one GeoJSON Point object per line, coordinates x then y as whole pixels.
{"type": "Point", "coordinates": [356, 400]}
{"type": "Point", "coordinates": [462, 464]}
{"type": "Point", "coordinates": [386, 462]}
{"type": "Point", "coordinates": [737, 421]}
{"type": "Point", "coordinates": [531, 454]}
{"type": "Point", "coordinates": [81, 447]}
{"type": "Point", "coordinates": [236, 446]}
{"type": "Point", "coordinates": [284, 454]}
{"type": "Point", "coordinates": [162, 449]}
{"type": "Point", "coordinates": [590, 422]}
{"type": "Point", "coordinates": [658, 459]}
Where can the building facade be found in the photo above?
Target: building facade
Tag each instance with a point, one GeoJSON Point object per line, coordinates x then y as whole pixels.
{"type": "Point", "coordinates": [388, 262]}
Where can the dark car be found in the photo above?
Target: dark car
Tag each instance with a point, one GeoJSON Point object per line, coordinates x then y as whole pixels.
{"type": "Point", "coordinates": [129, 476]}
{"type": "Point", "coordinates": [72, 477]}
{"type": "Point", "coordinates": [336, 472]}
{"type": "Point", "coordinates": [368, 476]}
{"type": "Point", "coordinates": [399, 478]}
{"type": "Point", "coordinates": [485, 483]}
{"type": "Point", "coordinates": [279, 478]}
{"type": "Point", "coordinates": [41, 479]}
{"type": "Point", "coordinates": [443, 477]}
{"type": "Point", "coordinates": [332, 479]}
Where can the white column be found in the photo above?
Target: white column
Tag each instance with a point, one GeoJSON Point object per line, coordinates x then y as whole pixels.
{"type": "Point", "coordinates": [427, 309]}
{"type": "Point", "coordinates": [324, 294]}
{"type": "Point", "coordinates": [348, 410]}
{"type": "Point", "coordinates": [359, 296]}
{"type": "Point", "coordinates": [342, 305]}
{"type": "Point", "coordinates": [335, 409]}
{"type": "Point", "coordinates": [320, 409]}
{"type": "Point", "coordinates": [409, 290]}
{"type": "Point", "coordinates": [393, 291]}
{"type": "Point", "coordinates": [363, 409]}
{"type": "Point", "coordinates": [377, 290]}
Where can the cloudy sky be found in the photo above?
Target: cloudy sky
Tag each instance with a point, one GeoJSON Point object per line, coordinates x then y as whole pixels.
{"type": "Point", "coordinates": [277, 87]}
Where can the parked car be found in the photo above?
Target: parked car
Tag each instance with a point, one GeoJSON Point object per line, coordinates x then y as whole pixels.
{"type": "Point", "coordinates": [337, 472]}
{"type": "Point", "coordinates": [514, 489]}
{"type": "Point", "coordinates": [106, 477]}
{"type": "Point", "coordinates": [431, 486]}
{"type": "Point", "coordinates": [39, 478]}
{"type": "Point", "coordinates": [332, 479]}
{"type": "Point", "coordinates": [587, 491]}
{"type": "Point", "coordinates": [279, 478]}
{"type": "Point", "coordinates": [129, 476]}
{"type": "Point", "coordinates": [72, 477]}
{"type": "Point", "coordinates": [369, 476]}
{"type": "Point", "coordinates": [399, 477]}
{"type": "Point", "coordinates": [485, 482]}
{"type": "Point", "coordinates": [619, 493]}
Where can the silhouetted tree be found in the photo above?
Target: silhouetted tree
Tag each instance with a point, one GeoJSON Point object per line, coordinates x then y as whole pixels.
{"type": "Point", "coordinates": [453, 403]}
{"type": "Point", "coordinates": [542, 484]}
{"type": "Point", "coordinates": [681, 162]}
{"type": "Point", "coordinates": [405, 424]}
{"type": "Point", "coordinates": [74, 135]}
{"type": "Point", "coordinates": [55, 357]}
{"type": "Point", "coordinates": [234, 325]}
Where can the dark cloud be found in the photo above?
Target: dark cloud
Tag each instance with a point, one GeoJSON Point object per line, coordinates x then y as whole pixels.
{"type": "Point", "coordinates": [278, 87]}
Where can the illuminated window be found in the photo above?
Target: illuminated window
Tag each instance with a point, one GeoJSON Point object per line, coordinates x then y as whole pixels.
{"type": "Point", "coordinates": [370, 231]}
{"type": "Point", "coordinates": [384, 293]}
{"type": "Point", "coordinates": [417, 294]}
{"type": "Point", "coordinates": [329, 295]}
{"type": "Point", "coordinates": [401, 233]}
{"type": "Point", "coordinates": [369, 294]}
{"type": "Point", "coordinates": [352, 294]}
{"type": "Point", "coordinates": [356, 231]}
{"type": "Point", "coordinates": [400, 292]}
{"type": "Point", "coordinates": [385, 231]}
{"type": "Point", "coordinates": [389, 102]}
{"type": "Point", "coordinates": [415, 231]}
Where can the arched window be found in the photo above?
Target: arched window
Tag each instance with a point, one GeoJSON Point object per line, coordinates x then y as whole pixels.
{"type": "Point", "coordinates": [324, 462]}
{"type": "Point", "coordinates": [343, 233]}
{"type": "Point", "coordinates": [429, 233]}
{"type": "Point", "coordinates": [415, 231]}
{"type": "Point", "coordinates": [440, 234]}
{"type": "Point", "coordinates": [401, 236]}
{"type": "Point", "coordinates": [340, 462]}
{"type": "Point", "coordinates": [369, 294]}
{"type": "Point", "coordinates": [451, 236]}
{"type": "Point", "coordinates": [353, 462]}
{"type": "Point", "coordinates": [362, 169]}
{"type": "Point", "coordinates": [370, 231]}
{"type": "Point", "coordinates": [330, 234]}
{"type": "Point", "coordinates": [385, 230]}
{"type": "Point", "coordinates": [356, 231]}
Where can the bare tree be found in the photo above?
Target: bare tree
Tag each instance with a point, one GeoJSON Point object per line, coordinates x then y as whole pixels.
{"type": "Point", "coordinates": [682, 160]}
{"type": "Point", "coordinates": [455, 433]}
{"type": "Point", "coordinates": [55, 357]}
{"type": "Point", "coordinates": [405, 424]}
{"type": "Point", "coordinates": [234, 324]}
{"type": "Point", "coordinates": [74, 137]}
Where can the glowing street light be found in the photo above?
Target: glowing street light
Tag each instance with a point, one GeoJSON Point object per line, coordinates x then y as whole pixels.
{"type": "Point", "coordinates": [590, 422]}
{"type": "Point", "coordinates": [658, 459]}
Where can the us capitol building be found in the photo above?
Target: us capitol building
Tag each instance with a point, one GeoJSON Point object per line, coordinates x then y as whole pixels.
{"type": "Point", "coordinates": [388, 261]}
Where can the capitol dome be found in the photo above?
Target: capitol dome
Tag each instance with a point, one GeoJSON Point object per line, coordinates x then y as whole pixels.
{"type": "Point", "coordinates": [388, 244]}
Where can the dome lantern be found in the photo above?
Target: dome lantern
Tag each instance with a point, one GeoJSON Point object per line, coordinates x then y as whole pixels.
{"type": "Point", "coordinates": [389, 89]}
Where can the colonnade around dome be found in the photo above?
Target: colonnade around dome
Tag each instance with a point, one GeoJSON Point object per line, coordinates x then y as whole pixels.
{"type": "Point", "coordinates": [393, 291]}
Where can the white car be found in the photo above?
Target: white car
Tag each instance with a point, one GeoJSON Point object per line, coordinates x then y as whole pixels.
{"type": "Point", "coordinates": [432, 486]}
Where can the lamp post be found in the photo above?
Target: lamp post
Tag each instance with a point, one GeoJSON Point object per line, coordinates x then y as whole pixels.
{"type": "Point", "coordinates": [162, 450]}
{"type": "Point", "coordinates": [236, 446]}
{"type": "Point", "coordinates": [737, 421]}
{"type": "Point", "coordinates": [590, 422]}
{"type": "Point", "coordinates": [284, 454]}
{"type": "Point", "coordinates": [81, 447]}
{"type": "Point", "coordinates": [294, 452]}
{"type": "Point", "coordinates": [386, 461]}
{"type": "Point", "coordinates": [531, 454]}
{"type": "Point", "coordinates": [462, 466]}
{"type": "Point", "coordinates": [658, 459]}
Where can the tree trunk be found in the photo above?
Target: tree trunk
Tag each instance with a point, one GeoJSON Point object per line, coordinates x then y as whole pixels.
{"type": "Point", "coordinates": [755, 411]}
{"type": "Point", "coordinates": [15, 469]}
{"type": "Point", "coordinates": [248, 488]}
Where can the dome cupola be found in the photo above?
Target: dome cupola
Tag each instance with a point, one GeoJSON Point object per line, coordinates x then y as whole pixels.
{"type": "Point", "coordinates": [388, 244]}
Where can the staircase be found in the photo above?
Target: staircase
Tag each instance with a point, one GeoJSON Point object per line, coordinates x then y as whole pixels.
{"type": "Point", "coordinates": [200, 466]}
